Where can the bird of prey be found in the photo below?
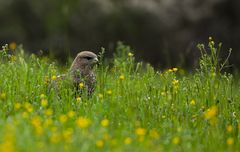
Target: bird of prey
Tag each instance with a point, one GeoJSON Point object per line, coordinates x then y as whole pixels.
{"type": "Point", "coordinates": [82, 71]}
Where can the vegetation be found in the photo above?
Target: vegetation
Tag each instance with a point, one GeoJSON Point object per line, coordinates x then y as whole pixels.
{"type": "Point", "coordinates": [134, 107]}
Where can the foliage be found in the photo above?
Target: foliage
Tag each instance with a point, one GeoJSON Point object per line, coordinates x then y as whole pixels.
{"type": "Point", "coordinates": [133, 108]}
{"type": "Point", "coordinates": [211, 63]}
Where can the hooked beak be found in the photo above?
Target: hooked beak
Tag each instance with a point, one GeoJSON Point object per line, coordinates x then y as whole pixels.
{"type": "Point", "coordinates": [95, 60]}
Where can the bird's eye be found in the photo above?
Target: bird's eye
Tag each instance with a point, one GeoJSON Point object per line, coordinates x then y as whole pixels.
{"type": "Point", "coordinates": [88, 58]}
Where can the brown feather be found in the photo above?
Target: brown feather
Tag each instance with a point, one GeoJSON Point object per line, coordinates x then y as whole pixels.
{"type": "Point", "coordinates": [82, 70]}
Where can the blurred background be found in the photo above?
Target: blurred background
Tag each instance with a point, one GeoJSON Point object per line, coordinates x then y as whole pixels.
{"type": "Point", "coordinates": [162, 32]}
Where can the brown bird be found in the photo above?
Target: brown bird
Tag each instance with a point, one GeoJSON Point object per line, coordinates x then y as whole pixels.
{"type": "Point", "coordinates": [82, 71]}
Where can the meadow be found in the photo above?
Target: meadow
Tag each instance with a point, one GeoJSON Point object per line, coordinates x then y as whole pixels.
{"type": "Point", "coordinates": [135, 107]}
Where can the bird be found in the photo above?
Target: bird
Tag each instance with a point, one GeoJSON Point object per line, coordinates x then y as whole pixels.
{"type": "Point", "coordinates": [82, 72]}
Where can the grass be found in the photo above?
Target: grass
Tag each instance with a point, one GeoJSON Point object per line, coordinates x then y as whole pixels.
{"type": "Point", "coordinates": [134, 107]}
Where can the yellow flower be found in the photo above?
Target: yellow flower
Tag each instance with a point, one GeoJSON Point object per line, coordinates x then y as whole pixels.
{"type": "Point", "coordinates": [25, 115]}
{"type": "Point", "coordinates": [229, 128]}
{"type": "Point", "coordinates": [44, 102]}
{"type": "Point", "coordinates": [46, 80]}
{"type": "Point", "coordinates": [47, 123]}
{"type": "Point", "coordinates": [175, 69]}
{"type": "Point", "coordinates": [67, 135]}
{"type": "Point", "coordinates": [17, 106]}
{"type": "Point", "coordinates": [130, 54]}
{"type": "Point", "coordinates": [170, 70]}
{"type": "Point", "coordinates": [127, 141]}
{"type": "Point", "coordinates": [53, 70]}
{"type": "Point", "coordinates": [193, 102]}
{"type": "Point", "coordinates": [39, 130]}
{"type": "Point", "coordinates": [176, 140]}
{"type": "Point", "coordinates": [83, 122]}
{"type": "Point", "coordinates": [42, 96]}
{"type": "Point", "coordinates": [99, 143]}
{"type": "Point", "coordinates": [109, 92]}
{"type": "Point", "coordinates": [121, 77]}
{"type": "Point", "coordinates": [105, 122]}
{"type": "Point", "coordinates": [230, 141]}
{"type": "Point", "coordinates": [175, 82]}
{"type": "Point", "coordinates": [154, 134]}
{"type": "Point", "coordinates": [13, 58]}
{"type": "Point", "coordinates": [9, 141]}
{"type": "Point", "coordinates": [13, 45]}
{"type": "Point", "coordinates": [78, 99]}
{"type": "Point", "coordinates": [140, 131]}
{"type": "Point", "coordinates": [55, 138]}
{"type": "Point", "coordinates": [54, 77]}
{"type": "Point", "coordinates": [81, 85]}
{"type": "Point", "coordinates": [3, 96]}
{"type": "Point", "coordinates": [36, 121]}
{"type": "Point", "coordinates": [211, 112]}
{"type": "Point", "coordinates": [71, 114]}
{"type": "Point", "coordinates": [7, 146]}
{"type": "Point", "coordinates": [48, 112]}
{"type": "Point", "coordinates": [100, 95]}
{"type": "Point", "coordinates": [28, 107]}
{"type": "Point", "coordinates": [62, 118]}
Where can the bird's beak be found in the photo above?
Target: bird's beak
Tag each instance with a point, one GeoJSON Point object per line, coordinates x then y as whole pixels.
{"type": "Point", "coordinates": [95, 60]}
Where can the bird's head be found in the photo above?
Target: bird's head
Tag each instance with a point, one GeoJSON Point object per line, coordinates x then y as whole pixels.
{"type": "Point", "coordinates": [85, 59]}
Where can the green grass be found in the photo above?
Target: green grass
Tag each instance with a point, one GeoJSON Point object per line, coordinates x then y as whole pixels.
{"type": "Point", "coordinates": [134, 108]}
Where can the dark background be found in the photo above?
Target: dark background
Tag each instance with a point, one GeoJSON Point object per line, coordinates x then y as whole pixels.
{"type": "Point", "coordinates": [162, 32]}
